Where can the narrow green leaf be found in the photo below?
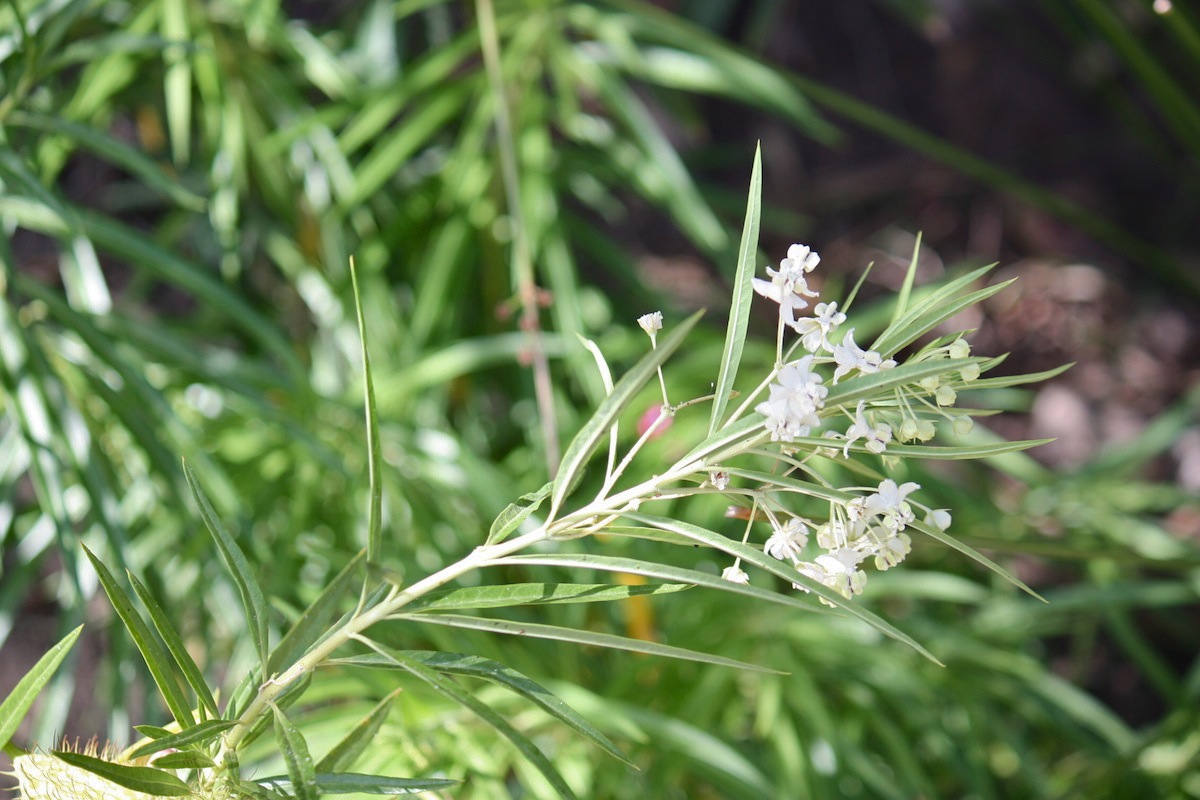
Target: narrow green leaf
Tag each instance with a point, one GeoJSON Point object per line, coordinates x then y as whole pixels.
{"type": "Point", "coordinates": [295, 755]}
{"type": "Point", "coordinates": [1015, 380]}
{"type": "Point", "coordinates": [184, 759]}
{"type": "Point", "coordinates": [113, 150]}
{"type": "Point", "coordinates": [849, 392]}
{"type": "Point", "coordinates": [592, 638]}
{"type": "Point", "coordinates": [959, 452]}
{"type": "Point", "coordinates": [352, 783]}
{"type": "Point", "coordinates": [152, 652]}
{"type": "Point", "coordinates": [16, 705]}
{"type": "Point", "coordinates": [661, 572]}
{"type": "Point", "coordinates": [140, 779]}
{"type": "Point", "coordinates": [354, 743]}
{"type": "Point", "coordinates": [314, 621]}
{"type": "Point", "coordinates": [516, 594]}
{"type": "Point", "coordinates": [243, 576]}
{"type": "Point", "coordinates": [452, 690]}
{"type": "Point", "coordinates": [589, 436]}
{"type": "Point", "coordinates": [974, 555]}
{"type": "Point", "coordinates": [152, 731]}
{"type": "Point", "coordinates": [515, 513]}
{"type": "Point", "coordinates": [743, 294]}
{"type": "Point", "coordinates": [486, 669]}
{"type": "Point", "coordinates": [375, 482]}
{"type": "Point", "coordinates": [757, 557]}
{"type": "Point", "coordinates": [175, 646]}
{"type": "Point", "coordinates": [202, 733]}
{"type": "Point", "coordinates": [910, 275]}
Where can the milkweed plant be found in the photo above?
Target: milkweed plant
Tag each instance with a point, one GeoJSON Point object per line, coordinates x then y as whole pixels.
{"type": "Point", "coordinates": [832, 405]}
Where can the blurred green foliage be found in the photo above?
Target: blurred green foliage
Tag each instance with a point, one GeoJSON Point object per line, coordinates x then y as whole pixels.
{"type": "Point", "coordinates": [182, 185]}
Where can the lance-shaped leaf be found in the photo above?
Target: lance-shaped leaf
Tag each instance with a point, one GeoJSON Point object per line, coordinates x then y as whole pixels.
{"type": "Point", "coordinates": [516, 513]}
{"type": "Point", "coordinates": [452, 690]}
{"type": "Point", "coordinates": [973, 554]}
{"type": "Point", "coordinates": [243, 577]}
{"type": "Point", "coordinates": [150, 648]}
{"type": "Point", "coordinates": [175, 646]}
{"type": "Point", "coordinates": [661, 571]}
{"type": "Point", "coordinates": [19, 700]}
{"type": "Point", "coordinates": [585, 442]}
{"type": "Point", "coordinates": [608, 640]}
{"type": "Point", "coordinates": [354, 783]}
{"type": "Point", "coordinates": [743, 293]}
{"type": "Point", "coordinates": [354, 743]}
{"type": "Point", "coordinates": [140, 779]}
{"type": "Point", "coordinates": [202, 733]}
{"type": "Point", "coordinates": [314, 621]}
{"type": "Point", "coordinates": [300, 767]}
{"type": "Point", "coordinates": [519, 594]}
{"type": "Point", "coordinates": [486, 669]}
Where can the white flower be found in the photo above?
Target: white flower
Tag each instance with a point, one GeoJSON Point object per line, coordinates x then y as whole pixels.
{"type": "Point", "coordinates": [814, 331]}
{"type": "Point", "coordinates": [889, 502]}
{"type": "Point", "coordinates": [959, 349]}
{"type": "Point", "coordinates": [877, 437]}
{"type": "Point", "coordinates": [800, 257]}
{"type": "Point", "coordinates": [791, 410]}
{"type": "Point", "coordinates": [938, 518]}
{"type": "Point", "coordinates": [788, 286]}
{"type": "Point", "coordinates": [849, 356]}
{"type": "Point", "coordinates": [788, 540]}
{"type": "Point", "coordinates": [963, 426]}
{"type": "Point", "coordinates": [892, 551]}
{"type": "Point", "coordinates": [735, 574]}
{"type": "Point", "coordinates": [651, 323]}
{"type": "Point", "coordinates": [837, 570]}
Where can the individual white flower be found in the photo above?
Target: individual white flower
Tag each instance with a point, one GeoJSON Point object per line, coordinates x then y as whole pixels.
{"type": "Point", "coordinates": [735, 574]}
{"type": "Point", "coordinates": [889, 503]}
{"type": "Point", "coordinates": [719, 479]}
{"type": "Point", "coordinates": [651, 323]}
{"type": "Point", "coordinates": [800, 257]}
{"type": "Point", "coordinates": [959, 349]}
{"type": "Point", "coordinates": [814, 331]}
{"type": "Point", "coordinates": [788, 286]}
{"type": "Point", "coordinates": [877, 437]}
{"type": "Point", "coordinates": [788, 540]}
{"type": "Point", "coordinates": [938, 518]}
{"type": "Point", "coordinates": [791, 409]}
{"type": "Point", "coordinates": [969, 373]}
{"type": "Point", "coordinates": [849, 356]}
{"type": "Point", "coordinates": [837, 570]}
{"type": "Point", "coordinates": [892, 550]}
{"type": "Point", "coordinates": [963, 425]}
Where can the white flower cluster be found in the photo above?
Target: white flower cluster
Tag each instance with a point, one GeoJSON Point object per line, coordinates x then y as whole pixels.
{"type": "Point", "coordinates": [798, 393]}
{"type": "Point", "coordinates": [870, 525]}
